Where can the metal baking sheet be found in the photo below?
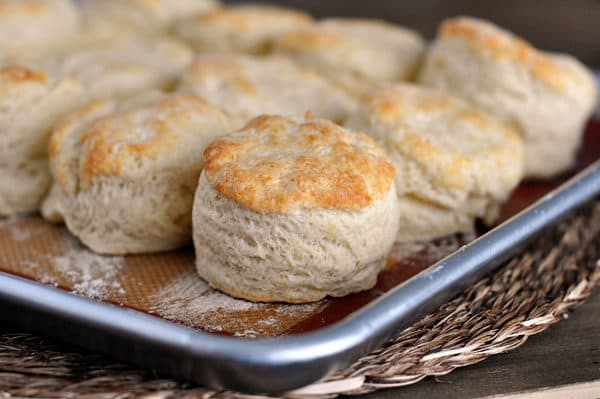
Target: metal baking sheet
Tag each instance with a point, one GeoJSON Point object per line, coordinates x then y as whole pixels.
{"type": "Point", "coordinates": [289, 358]}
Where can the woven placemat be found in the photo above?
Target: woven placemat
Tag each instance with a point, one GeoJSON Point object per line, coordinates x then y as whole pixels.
{"type": "Point", "coordinates": [524, 297]}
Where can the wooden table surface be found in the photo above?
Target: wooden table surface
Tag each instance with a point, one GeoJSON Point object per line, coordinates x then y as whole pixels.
{"type": "Point", "coordinates": [562, 362]}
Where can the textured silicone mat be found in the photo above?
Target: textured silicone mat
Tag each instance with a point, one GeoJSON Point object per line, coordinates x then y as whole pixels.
{"type": "Point", "coordinates": [166, 285]}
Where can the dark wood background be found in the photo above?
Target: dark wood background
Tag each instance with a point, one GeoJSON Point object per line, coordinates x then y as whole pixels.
{"type": "Point", "coordinates": [567, 353]}
{"type": "Point", "coordinates": [570, 26]}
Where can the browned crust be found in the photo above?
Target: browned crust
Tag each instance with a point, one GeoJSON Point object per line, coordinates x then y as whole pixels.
{"type": "Point", "coordinates": [33, 8]}
{"type": "Point", "coordinates": [19, 74]}
{"type": "Point", "coordinates": [392, 106]}
{"type": "Point", "coordinates": [276, 164]}
{"type": "Point", "coordinates": [113, 131]}
{"type": "Point", "coordinates": [109, 144]}
{"type": "Point", "coordinates": [221, 66]}
{"type": "Point", "coordinates": [244, 18]}
{"type": "Point", "coordinates": [309, 38]}
{"type": "Point", "coordinates": [505, 46]}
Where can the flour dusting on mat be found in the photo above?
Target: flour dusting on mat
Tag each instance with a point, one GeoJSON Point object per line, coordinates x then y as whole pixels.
{"type": "Point", "coordinates": [189, 295]}
{"type": "Point", "coordinates": [17, 233]}
{"type": "Point", "coordinates": [191, 301]}
{"type": "Point", "coordinates": [88, 274]}
{"type": "Point", "coordinates": [9, 221]}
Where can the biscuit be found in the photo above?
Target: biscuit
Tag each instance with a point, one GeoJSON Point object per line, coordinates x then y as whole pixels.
{"type": "Point", "coordinates": [355, 53]}
{"type": "Point", "coordinates": [247, 86]}
{"type": "Point", "coordinates": [548, 97]}
{"type": "Point", "coordinates": [51, 208]}
{"type": "Point", "coordinates": [125, 173]}
{"type": "Point", "coordinates": [293, 210]}
{"type": "Point", "coordinates": [33, 26]}
{"type": "Point", "coordinates": [453, 163]}
{"type": "Point", "coordinates": [104, 16]}
{"type": "Point", "coordinates": [31, 102]}
{"type": "Point", "coordinates": [123, 66]}
{"type": "Point", "coordinates": [247, 28]}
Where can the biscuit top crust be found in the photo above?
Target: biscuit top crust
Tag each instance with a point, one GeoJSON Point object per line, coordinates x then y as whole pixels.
{"type": "Point", "coordinates": [252, 18]}
{"type": "Point", "coordinates": [460, 146]}
{"type": "Point", "coordinates": [167, 10]}
{"type": "Point", "coordinates": [350, 32]}
{"type": "Point", "coordinates": [14, 75]}
{"type": "Point", "coordinates": [157, 5]}
{"type": "Point", "coordinates": [33, 8]}
{"type": "Point", "coordinates": [33, 25]}
{"type": "Point", "coordinates": [18, 82]}
{"type": "Point", "coordinates": [374, 49]}
{"type": "Point", "coordinates": [312, 38]}
{"type": "Point", "coordinates": [120, 67]}
{"type": "Point", "coordinates": [107, 138]}
{"type": "Point", "coordinates": [209, 68]}
{"type": "Point", "coordinates": [247, 86]}
{"type": "Point", "coordinates": [388, 34]}
{"type": "Point", "coordinates": [276, 164]}
{"type": "Point", "coordinates": [248, 75]}
{"type": "Point", "coordinates": [501, 46]}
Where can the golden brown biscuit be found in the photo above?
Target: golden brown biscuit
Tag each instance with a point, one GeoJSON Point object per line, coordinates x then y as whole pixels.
{"type": "Point", "coordinates": [548, 97]}
{"type": "Point", "coordinates": [31, 102]}
{"type": "Point", "coordinates": [247, 86]}
{"type": "Point", "coordinates": [452, 161]}
{"type": "Point", "coordinates": [123, 66]}
{"type": "Point", "coordinates": [248, 28]}
{"type": "Point", "coordinates": [355, 53]}
{"type": "Point", "coordinates": [293, 210]}
{"type": "Point", "coordinates": [111, 17]}
{"type": "Point", "coordinates": [28, 27]}
{"type": "Point", "coordinates": [126, 171]}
